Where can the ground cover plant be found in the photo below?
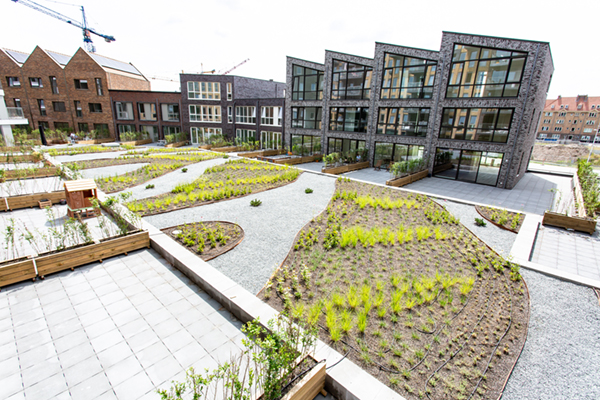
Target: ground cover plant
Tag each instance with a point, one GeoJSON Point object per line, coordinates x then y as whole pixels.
{"type": "Point", "coordinates": [71, 151]}
{"type": "Point", "coordinates": [235, 178]}
{"type": "Point", "coordinates": [590, 187]}
{"type": "Point", "coordinates": [509, 220]}
{"type": "Point", "coordinates": [157, 165]}
{"type": "Point", "coordinates": [398, 285]}
{"type": "Point", "coordinates": [207, 239]}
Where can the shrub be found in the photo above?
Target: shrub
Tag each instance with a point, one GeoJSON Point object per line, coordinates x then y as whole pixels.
{"type": "Point", "coordinates": [308, 190]}
{"type": "Point", "coordinates": [255, 202]}
{"type": "Point", "coordinates": [184, 170]}
{"type": "Point", "coordinates": [480, 222]}
{"type": "Point", "coordinates": [150, 186]}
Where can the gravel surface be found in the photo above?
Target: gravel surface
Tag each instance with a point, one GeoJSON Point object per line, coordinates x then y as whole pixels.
{"type": "Point", "coordinates": [89, 156]}
{"type": "Point", "coordinates": [94, 173]}
{"type": "Point", "coordinates": [269, 229]}
{"type": "Point", "coordinates": [561, 358]}
{"type": "Point", "coordinates": [165, 183]}
{"type": "Point", "coordinates": [499, 239]}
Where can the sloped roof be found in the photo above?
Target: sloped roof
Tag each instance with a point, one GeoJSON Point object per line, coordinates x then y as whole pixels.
{"type": "Point", "coordinates": [572, 103]}
{"type": "Point", "coordinates": [81, 184]}
{"type": "Point", "coordinates": [59, 58]}
{"type": "Point", "coordinates": [17, 55]}
{"type": "Point", "coordinates": [115, 64]}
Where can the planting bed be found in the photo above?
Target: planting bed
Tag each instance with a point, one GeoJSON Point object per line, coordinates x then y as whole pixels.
{"type": "Point", "coordinates": [396, 283]}
{"type": "Point", "coordinates": [157, 165]}
{"type": "Point", "coordinates": [70, 151]}
{"type": "Point", "coordinates": [500, 217]}
{"type": "Point", "coordinates": [209, 239]}
{"type": "Point", "coordinates": [235, 178]}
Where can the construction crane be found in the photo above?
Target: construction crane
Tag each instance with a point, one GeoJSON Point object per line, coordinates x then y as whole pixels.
{"type": "Point", "coordinates": [87, 39]}
{"type": "Point", "coordinates": [243, 62]}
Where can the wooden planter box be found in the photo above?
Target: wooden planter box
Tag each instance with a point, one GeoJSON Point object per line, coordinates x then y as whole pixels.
{"type": "Point", "coordinates": [13, 174]}
{"type": "Point", "coordinates": [17, 158]}
{"type": "Point", "coordinates": [309, 385]}
{"type": "Point", "coordinates": [176, 144]}
{"type": "Point", "coordinates": [57, 141]}
{"type": "Point", "coordinates": [137, 142]}
{"type": "Point", "coordinates": [16, 271]}
{"type": "Point", "coordinates": [345, 168]}
{"type": "Point", "coordinates": [587, 225]}
{"type": "Point", "coordinates": [405, 180]}
{"type": "Point", "coordinates": [70, 259]}
{"type": "Point", "coordinates": [227, 149]}
{"type": "Point", "coordinates": [261, 153]}
{"type": "Point", "coordinates": [95, 141]}
{"type": "Point", "coordinates": [205, 147]}
{"type": "Point", "coordinates": [30, 200]}
{"type": "Point", "coordinates": [298, 160]}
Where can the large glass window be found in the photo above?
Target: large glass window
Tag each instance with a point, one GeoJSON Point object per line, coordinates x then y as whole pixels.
{"type": "Point", "coordinates": [307, 83]}
{"type": "Point", "coordinates": [126, 128]}
{"type": "Point", "coordinates": [170, 130]}
{"type": "Point", "coordinates": [349, 119]}
{"type": "Point", "coordinates": [270, 140]}
{"type": "Point", "coordinates": [204, 90]}
{"type": "Point", "coordinates": [403, 121]}
{"type": "Point", "coordinates": [205, 113]}
{"type": "Point", "coordinates": [147, 111]}
{"type": "Point", "coordinates": [478, 124]}
{"type": "Point", "coordinates": [485, 72]}
{"type": "Point", "coordinates": [350, 81]}
{"type": "Point", "coordinates": [407, 77]}
{"type": "Point", "coordinates": [388, 153]}
{"type": "Point", "coordinates": [201, 135]}
{"type": "Point", "coordinates": [305, 145]}
{"type": "Point", "coordinates": [245, 115]}
{"type": "Point", "coordinates": [245, 135]}
{"type": "Point", "coordinates": [54, 85]}
{"type": "Point", "coordinates": [124, 110]}
{"type": "Point", "coordinates": [271, 116]}
{"type": "Point", "coordinates": [306, 117]}
{"type": "Point", "coordinates": [336, 145]}
{"type": "Point", "coordinates": [170, 112]}
{"type": "Point", "coordinates": [468, 165]}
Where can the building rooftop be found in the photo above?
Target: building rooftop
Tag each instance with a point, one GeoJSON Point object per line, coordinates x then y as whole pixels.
{"type": "Point", "coordinates": [578, 103]}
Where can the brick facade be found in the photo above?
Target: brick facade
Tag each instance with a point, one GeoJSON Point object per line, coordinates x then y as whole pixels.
{"type": "Point", "coordinates": [136, 97]}
{"type": "Point", "coordinates": [527, 106]}
{"type": "Point", "coordinates": [570, 119]}
{"type": "Point", "coordinates": [81, 66]}
{"type": "Point", "coordinates": [244, 92]}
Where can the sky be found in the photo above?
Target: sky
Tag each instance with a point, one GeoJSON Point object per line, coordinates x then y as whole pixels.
{"type": "Point", "coordinates": [164, 38]}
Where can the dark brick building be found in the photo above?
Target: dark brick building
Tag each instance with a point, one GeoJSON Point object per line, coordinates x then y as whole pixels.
{"type": "Point", "coordinates": [157, 113]}
{"type": "Point", "coordinates": [470, 109]}
{"type": "Point", "coordinates": [233, 106]}
{"type": "Point", "coordinates": [63, 92]}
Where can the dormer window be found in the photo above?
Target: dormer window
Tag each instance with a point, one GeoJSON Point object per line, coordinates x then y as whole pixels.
{"type": "Point", "coordinates": [552, 106]}
{"type": "Point", "coordinates": [561, 107]}
{"type": "Point", "coordinates": [579, 106]}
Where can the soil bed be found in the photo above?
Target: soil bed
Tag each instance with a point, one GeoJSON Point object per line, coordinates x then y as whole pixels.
{"type": "Point", "coordinates": [159, 164]}
{"type": "Point", "coordinates": [409, 293]}
{"type": "Point", "coordinates": [236, 178]}
{"type": "Point", "coordinates": [510, 221]}
{"type": "Point", "coordinates": [207, 240]}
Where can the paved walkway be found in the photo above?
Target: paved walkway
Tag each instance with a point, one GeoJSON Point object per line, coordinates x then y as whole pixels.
{"type": "Point", "coordinates": [574, 252]}
{"type": "Point", "coordinates": [120, 329]}
{"type": "Point", "coordinates": [534, 193]}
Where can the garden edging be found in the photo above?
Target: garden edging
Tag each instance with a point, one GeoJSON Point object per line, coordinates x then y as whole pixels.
{"type": "Point", "coordinates": [346, 381]}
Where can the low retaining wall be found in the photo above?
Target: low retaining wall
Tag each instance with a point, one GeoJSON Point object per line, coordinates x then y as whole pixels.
{"type": "Point", "coordinates": [587, 225]}
{"type": "Point", "coordinates": [227, 149]}
{"type": "Point", "coordinates": [298, 160]}
{"type": "Point", "coordinates": [405, 180]}
{"type": "Point", "coordinates": [13, 272]}
{"type": "Point", "coordinates": [345, 168]}
{"type": "Point", "coordinates": [261, 153]}
{"type": "Point", "coordinates": [13, 174]}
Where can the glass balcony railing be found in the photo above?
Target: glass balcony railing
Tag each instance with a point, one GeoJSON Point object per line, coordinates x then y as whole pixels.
{"type": "Point", "coordinates": [15, 112]}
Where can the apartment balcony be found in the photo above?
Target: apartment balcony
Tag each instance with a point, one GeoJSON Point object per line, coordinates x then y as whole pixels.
{"type": "Point", "coordinates": [15, 113]}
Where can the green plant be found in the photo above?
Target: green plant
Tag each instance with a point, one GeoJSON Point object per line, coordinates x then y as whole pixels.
{"type": "Point", "coordinates": [184, 170]}
{"type": "Point", "coordinates": [255, 202]}
{"type": "Point", "coordinates": [308, 190]}
{"type": "Point", "coordinates": [480, 222]}
{"type": "Point", "coordinates": [149, 186]}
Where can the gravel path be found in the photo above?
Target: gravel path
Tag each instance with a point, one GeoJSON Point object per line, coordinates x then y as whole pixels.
{"type": "Point", "coordinates": [499, 239]}
{"type": "Point", "coordinates": [94, 173]}
{"type": "Point", "coordinates": [561, 358]}
{"type": "Point", "coordinates": [165, 183]}
{"type": "Point", "coordinates": [269, 229]}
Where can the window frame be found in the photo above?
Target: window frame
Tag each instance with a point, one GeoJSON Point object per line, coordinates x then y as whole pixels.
{"type": "Point", "coordinates": [98, 82]}
{"type": "Point", "coordinates": [38, 83]}
{"type": "Point", "coordinates": [201, 113]}
{"type": "Point", "coordinates": [343, 75]}
{"type": "Point", "coordinates": [198, 90]}
{"type": "Point", "coordinates": [299, 120]}
{"type": "Point", "coordinates": [467, 125]}
{"type": "Point", "coordinates": [42, 107]}
{"type": "Point", "coordinates": [299, 91]}
{"type": "Point", "coordinates": [53, 84]}
{"type": "Point", "coordinates": [59, 106]}
{"type": "Point", "coordinates": [246, 117]}
{"type": "Point", "coordinates": [95, 107]}
{"type": "Point", "coordinates": [430, 67]}
{"type": "Point", "coordinates": [362, 123]}
{"type": "Point", "coordinates": [80, 83]}
{"type": "Point", "coordinates": [398, 126]}
{"type": "Point", "coordinates": [10, 81]}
